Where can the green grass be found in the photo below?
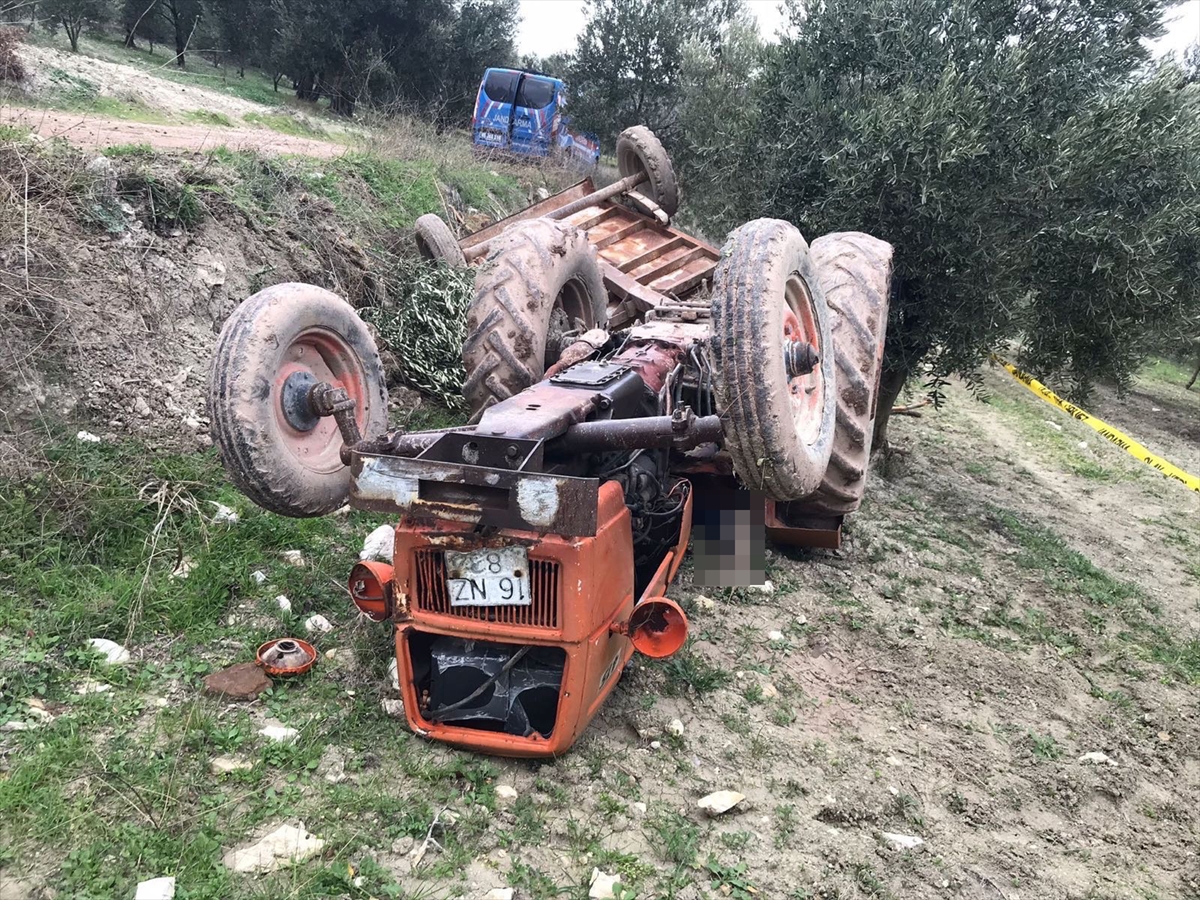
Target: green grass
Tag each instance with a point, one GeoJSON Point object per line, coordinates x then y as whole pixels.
{"type": "Point", "coordinates": [207, 117]}
{"type": "Point", "coordinates": [1168, 371]}
{"type": "Point", "coordinates": [286, 124]}
{"type": "Point", "coordinates": [1034, 421]}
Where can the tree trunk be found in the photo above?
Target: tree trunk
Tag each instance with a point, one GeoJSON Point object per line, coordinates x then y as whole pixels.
{"type": "Point", "coordinates": [129, 40]}
{"type": "Point", "coordinates": [1195, 375]}
{"type": "Point", "coordinates": [73, 34]}
{"type": "Point", "coordinates": [891, 383]}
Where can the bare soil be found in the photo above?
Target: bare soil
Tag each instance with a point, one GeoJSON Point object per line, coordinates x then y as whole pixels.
{"type": "Point", "coordinates": [96, 132]}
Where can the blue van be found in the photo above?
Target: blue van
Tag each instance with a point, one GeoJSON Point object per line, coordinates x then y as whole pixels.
{"type": "Point", "coordinates": [523, 113]}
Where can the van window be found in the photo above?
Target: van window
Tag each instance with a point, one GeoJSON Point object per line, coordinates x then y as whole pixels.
{"type": "Point", "coordinates": [501, 86]}
{"type": "Point", "coordinates": [535, 93]}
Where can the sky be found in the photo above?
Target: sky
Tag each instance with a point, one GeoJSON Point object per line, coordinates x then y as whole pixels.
{"type": "Point", "coordinates": [548, 26]}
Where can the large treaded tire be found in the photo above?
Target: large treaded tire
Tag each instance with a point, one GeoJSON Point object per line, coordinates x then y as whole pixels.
{"type": "Point", "coordinates": [778, 431]}
{"type": "Point", "coordinates": [855, 271]}
{"type": "Point", "coordinates": [281, 331]}
{"type": "Point", "coordinates": [534, 268]}
{"type": "Point", "coordinates": [638, 150]}
{"type": "Point", "coordinates": [436, 242]}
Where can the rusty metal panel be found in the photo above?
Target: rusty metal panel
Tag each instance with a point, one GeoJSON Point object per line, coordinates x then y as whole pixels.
{"type": "Point", "coordinates": [558, 201]}
{"type": "Point", "coordinates": [684, 278]}
{"type": "Point", "coordinates": [432, 490]}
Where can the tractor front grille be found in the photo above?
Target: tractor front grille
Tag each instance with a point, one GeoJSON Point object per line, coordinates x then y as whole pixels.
{"type": "Point", "coordinates": [432, 595]}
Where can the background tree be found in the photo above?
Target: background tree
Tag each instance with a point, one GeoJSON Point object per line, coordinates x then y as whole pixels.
{"type": "Point", "coordinates": [628, 56]}
{"type": "Point", "coordinates": [137, 17]}
{"type": "Point", "coordinates": [1038, 184]}
{"type": "Point", "coordinates": [182, 18]}
{"type": "Point", "coordinates": [74, 16]}
{"type": "Point", "coordinates": [484, 35]}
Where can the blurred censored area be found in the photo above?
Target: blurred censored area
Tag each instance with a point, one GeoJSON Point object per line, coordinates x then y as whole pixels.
{"type": "Point", "coordinates": [728, 536]}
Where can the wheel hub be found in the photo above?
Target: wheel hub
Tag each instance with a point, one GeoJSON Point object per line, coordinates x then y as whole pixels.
{"type": "Point", "coordinates": [294, 401]}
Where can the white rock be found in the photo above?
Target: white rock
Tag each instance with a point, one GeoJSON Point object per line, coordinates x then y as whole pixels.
{"type": "Point", "coordinates": [720, 802]}
{"type": "Point", "coordinates": [114, 654]}
{"type": "Point", "coordinates": [801, 620]}
{"type": "Point", "coordinates": [87, 437]}
{"type": "Point", "coordinates": [705, 603]}
{"type": "Point", "coordinates": [156, 889]}
{"type": "Point", "coordinates": [317, 625]}
{"type": "Point", "coordinates": [394, 674]}
{"type": "Point", "coordinates": [14, 725]}
{"type": "Point", "coordinates": [393, 708]}
{"type": "Point", "coordinates": [774, 636]}
{"type": "Point", "coordinates": [656, 745]}
{"type": "Point", "coordinates": [183, 568]}
{"type": "Point", "coordinates": [602, 886]}
{"type": "Point", "coordinates": [258, 577]}
{"type": "Point", "coordinates": [1083, 445]}
{"type": "Point", "coordinates": [283, 845]}
{"type": "Point", "coordinates": [895, 761]}
{"type": "Point", "coordinates": [506, 793]}
{"type": "Point", "coordinates": [1097, 758]}
{"type": "Point", "coordinates": [380, 544]}
{"type": "Point", "coordinates": [92, 687]}
{"type": "Point", "coordinates": [283, 603]}
{"type": "Point", "coordinates": [223, 765]}
{"type": "Point", "coordinates": [141, 407]}
{"type": "Point", "coordinates": [499, 894]}
{"type": "Point", "coordinates": [767, 587]}
{"type": "Point", "coordinates": [293, 558]}
{"type": "Point", "coordinates": [279, 733]}
{"type": "Point", "coordinates": [901, 841]}
{"type": "Point", "coordinates": [225, 515]}
{"type": "Point", "coordinates": [1054, 425]}
{"type": "Point", "coordinates": [640, 808]}
{"type": "Point", "coordinates": [39, 712]}
{"type": "Point", "coordinates": [769, 691]}
{"type": "Point", "coordinates": [676, 727]}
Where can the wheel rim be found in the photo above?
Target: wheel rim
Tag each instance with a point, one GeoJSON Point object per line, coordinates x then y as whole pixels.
{"type": "Point", "coordinates": [324, 356]}
{"type": "Point", "coordinates": [424, 249]}
{"type": "Point", "coordinates": [570, 306]}
{"type": "Point", "coordinates": [806, 392]}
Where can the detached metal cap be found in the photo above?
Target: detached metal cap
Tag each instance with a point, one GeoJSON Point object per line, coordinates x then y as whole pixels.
{"type": "Point", "coordinates": [286, 656]}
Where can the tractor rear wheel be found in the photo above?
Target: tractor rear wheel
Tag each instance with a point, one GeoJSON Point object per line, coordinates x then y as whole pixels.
{"type": "Point", "coordinates": [769, 316]}
{"type": "Point", "coordinates": [436, 242]}
{"type": "Point", "coordinates": [855, 271]}
{"type": "Point", "coordinates": [272, 349]}
{"type": "Point", "coordinates": [638, 150]}
{"type": "Point", "coordinates": [540, 283]}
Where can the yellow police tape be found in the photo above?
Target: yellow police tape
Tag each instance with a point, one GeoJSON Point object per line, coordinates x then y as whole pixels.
{"type": "Point", "coordinates": [1106, 431]}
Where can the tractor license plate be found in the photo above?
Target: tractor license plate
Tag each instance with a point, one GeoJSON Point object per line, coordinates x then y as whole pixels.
{"type": "Point", "coordinates": [492, 577]}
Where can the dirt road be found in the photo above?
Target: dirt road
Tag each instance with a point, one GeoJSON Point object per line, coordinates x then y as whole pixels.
{"type": "Point", "coordinates": [95, 132]}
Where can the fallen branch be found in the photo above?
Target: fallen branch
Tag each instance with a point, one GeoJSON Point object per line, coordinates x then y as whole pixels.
{"type": "Point", "coordinates": [910, 410]}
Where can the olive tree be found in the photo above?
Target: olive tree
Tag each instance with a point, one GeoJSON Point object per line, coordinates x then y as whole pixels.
{"type": "Point", "coordinates": [1036, 175]}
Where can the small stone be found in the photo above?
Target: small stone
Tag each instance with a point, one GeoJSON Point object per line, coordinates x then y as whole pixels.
{"type": "Point", "coordinates": [901, 841]}
{"type": "Point", "coordinates": [223, 765]}
{"type": "Point", "coordinates": [769, 691]}
{"type": "Point", "coordinates": [283, 603]}
{"type": "Point", "coordinates": [801, 620]}
{"type": "Point", "coordinates": [1083, 445]}
{"type": "Point", "coordinates": [92, 687]}
{"type": "Point", "coordinates": [380, 544]}
{"type": "Point", "coordinates": [767, 587]}
{"type": "Point", "coordinates": [720, 802]}
{"type": "Point", "coordinates": [640, 808]}
{"type": "Point", "coordinates": [394, 675]}
{"type": "Point", "coordinates": [258, 577]}
{"type": "Point", "coordinates": [774, 636]}
{"type": "Point", "coordinates": [656, 745]}
{"type": "Point", "coordinates": [1164, 736]}
{"type": "Point", "coordinates": [895, 761]}
{"type": "Point", "coordinates": [448, 817]}
{"type": "Point", "coordinates": [332, 766]}
{"type": "Point", "coordinates": [676, 727]}
{"type": "Point", "coordinates": [114, 654]}
{"type": "Point", "coordinates": [393, 708]}
{"type": "Point", "coordinates": [1055, 426]}
{"type": "Point", "coordinates": [156, 889]}
{"type": "Point", "coordinates": [279, 734]}
{"type": "Point", "coordinates": [402, 846]}
{"type": "Point", "coordinates": [225, 515]}
{"type": "Point", "coordinates": [499, 894]}
{"type": "Point", "coordinates": [706, 603]}
{"type": "Point", "coordinates": [14, 725]}
{"type": "Point", "coordinates": [243, 681]}
{"type": "Point", "coordinates": [317, 625]}
{"type": "Point", "coordinates": [284, 845]}
{"type": "Point", "coordinates": [87, 437]}
{"type": "Point", "coordinates": [183, 568]}
{"type": "Point", "coordinates": [141, 407]}
{"type": "Point", "coordinates": [602, 886]}
{"type": "Point", "coordinates": [293, 558]}
{"type": "Point", "coordinates": [506, 793]}
{"type": "Point", "coordinates": [1097, 758]}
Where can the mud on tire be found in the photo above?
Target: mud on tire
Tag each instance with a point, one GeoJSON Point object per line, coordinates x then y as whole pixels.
{"type": "Point", "coordinates": [540, 280]}
{"type": "Point", "coordinates": [638, 150]}
{"type": "Point", "coordinates": [855, 271]}
{"type": "Point", "coordinates": [305, 333]}
{"type": "Point", "coordinates": [436, 242]}
{"type": "Point", "coordinates": [778, 430]}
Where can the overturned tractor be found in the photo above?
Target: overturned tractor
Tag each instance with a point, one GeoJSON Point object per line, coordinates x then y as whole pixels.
{"type": "Point", "coordinates": [625, 380]}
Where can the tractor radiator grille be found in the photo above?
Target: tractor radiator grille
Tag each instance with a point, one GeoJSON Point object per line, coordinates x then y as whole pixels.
{"type": "Point", "coordinates": [434, 597]}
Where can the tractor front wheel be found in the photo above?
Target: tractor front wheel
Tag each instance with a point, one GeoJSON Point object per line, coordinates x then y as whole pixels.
{"type": "Point", "coordinates": [773, 360]}
{"type": "Point", "coordinates": [272, 350]}
{"type": "Point", "coordinates": [436, 242]}
{"type": "Point", "coordinates": [639, 150]}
